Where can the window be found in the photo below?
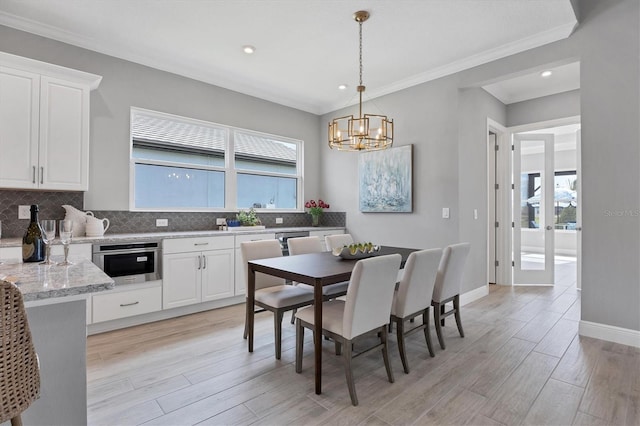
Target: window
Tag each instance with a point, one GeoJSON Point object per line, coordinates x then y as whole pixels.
{"type": "Point", "coordinates": [564, 196]}
{"type": "Point", "coordinates": [183, 164]}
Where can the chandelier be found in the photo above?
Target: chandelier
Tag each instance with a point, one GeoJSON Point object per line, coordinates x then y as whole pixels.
{"type": "Point", "coordinates": [367, 132]}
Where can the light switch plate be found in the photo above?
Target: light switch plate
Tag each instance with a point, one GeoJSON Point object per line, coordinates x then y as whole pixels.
{"type": "Point", "coordinates": [221, 221]}
{"type": "Point", "coordinates": [24, 212]}
{"type": "Point", "coordinates": [162, 222]}
{"type": "Point", "coordinates": [445, 212]}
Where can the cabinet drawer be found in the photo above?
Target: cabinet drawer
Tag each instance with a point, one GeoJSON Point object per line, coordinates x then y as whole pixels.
{"type": "Point", "coordinates": [124, 304]}
{"type": "Point", "coordinates": [182, 245]}
{"type": "Point", "coordinates": [253, 237]}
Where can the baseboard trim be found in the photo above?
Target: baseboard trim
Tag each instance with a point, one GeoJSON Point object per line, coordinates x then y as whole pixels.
{"type": "Point", "coordinates": [610, 333]}
{"type": "Point", "coordinates": [474, 295]}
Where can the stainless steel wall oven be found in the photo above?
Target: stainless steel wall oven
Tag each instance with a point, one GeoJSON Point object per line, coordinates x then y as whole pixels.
{"type": "Point", "coordinates": [129, 263]}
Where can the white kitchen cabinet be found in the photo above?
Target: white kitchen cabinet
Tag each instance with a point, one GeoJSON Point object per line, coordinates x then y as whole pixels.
{"type": "Point", "coordinates": [125, 302]}
{"type": "Point", "coordinates": [241, 268]}
{"type": "Point", "coordinates": [324, 233]}
{"type": "Point", "coordinates": [196, 270]}
{"type": "Point", "coordinates": [44, 125]}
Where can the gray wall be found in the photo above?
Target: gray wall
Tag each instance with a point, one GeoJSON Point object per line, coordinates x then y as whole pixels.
{"type": "Point", "coordinates": [126, 84]}
{"type": "Point", "coordinates": [449, 161]}
{"type": "Point", "coordinates": [444, 125]}
{"type": "Point", "coordinates": [566, 104]}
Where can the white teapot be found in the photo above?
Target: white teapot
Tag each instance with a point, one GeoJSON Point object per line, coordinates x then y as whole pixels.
{"type": "Point", "coordinates": [96, 227]}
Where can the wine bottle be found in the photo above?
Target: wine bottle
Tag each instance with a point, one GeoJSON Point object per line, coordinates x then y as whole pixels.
{"type": "Point", "coordinates": [33, 247]}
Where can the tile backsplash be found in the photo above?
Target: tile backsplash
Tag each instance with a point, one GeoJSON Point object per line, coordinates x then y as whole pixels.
{"type": "Point", "coordinates": [124, 222]}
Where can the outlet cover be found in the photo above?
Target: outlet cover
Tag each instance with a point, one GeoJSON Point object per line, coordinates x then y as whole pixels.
{"type": "Point", "coordinates": [162, 222]}
{"type": "Point", "coordinates": [24, 212]}
{"type": "Point", "coordinates": [221, 221]}
{"type": "Point", "coordinates": [278, 220]}
{"type": "Point", "coordinates": [445, 212]}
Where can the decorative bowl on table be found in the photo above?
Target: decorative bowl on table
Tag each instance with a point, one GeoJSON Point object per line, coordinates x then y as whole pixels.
{"type": "Point", "coordinates": [356, 251]}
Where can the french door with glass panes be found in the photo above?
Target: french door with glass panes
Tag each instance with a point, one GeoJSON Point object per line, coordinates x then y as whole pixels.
{"type": "Point", "coordinates": [533, 209]}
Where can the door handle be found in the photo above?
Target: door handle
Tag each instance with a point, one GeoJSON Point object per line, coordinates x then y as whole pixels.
{"type": "Point", "coordinates": [549, 228]}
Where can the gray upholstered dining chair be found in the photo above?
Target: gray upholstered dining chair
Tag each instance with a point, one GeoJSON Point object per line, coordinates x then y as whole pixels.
{"type": "Point", "coordinates": [19, 366]}
{"type": "Point", "coordinates": [272, 294]}
{"type": "Point", "coordinates": [366, 309]}
{"type": "Point", "coordinates": [337, 240]}
{"type": "Point", "coordinates": [448, 286]}
{"type": "Point", "coordinates": [413, 297]}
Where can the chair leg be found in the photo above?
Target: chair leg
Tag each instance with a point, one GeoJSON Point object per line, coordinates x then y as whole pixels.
{"type": "Point", "coordinates": [427, 332]}
{"type": "Point", "coordinates": [346, 355]}
{"type": "Point", "coordinates": [338, 347]}
{"type": "Point", "coordinates": [299, 345]}
{"type": "Point", "coordinates": [385, 353]}
{"type": "Point", "coordinates": [293, 315]}
{"type": "Point", "coordinates": [436, 320]}
{"type": "Point", "coordinates": [456, 306]}
{"type": "Point", "coordinates": [246, 321]}
{"type": "Point", "coordinates": [277, 325]}
{"type": "Point", "coordinates": [403, 353]}
{"type": "Point", "coordinates": [442, 306]}
{"type": "Point", "coordinates": [16, 421]}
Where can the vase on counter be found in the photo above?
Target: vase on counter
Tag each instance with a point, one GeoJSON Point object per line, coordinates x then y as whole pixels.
{"type": "Point", "coordinates": [315, 220]}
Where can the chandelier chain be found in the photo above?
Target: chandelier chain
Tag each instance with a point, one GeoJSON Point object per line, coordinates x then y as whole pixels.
{"type": "Point", "coordinates": [360, 47]}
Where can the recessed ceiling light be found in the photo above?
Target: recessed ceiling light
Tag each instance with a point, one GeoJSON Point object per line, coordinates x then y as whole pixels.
{"type": "Point", "coordinates": [342, 87]}
{"type": "Point", "coordinates": [546, 73]}
{"type": "Point", "coordinates": [248, 49]}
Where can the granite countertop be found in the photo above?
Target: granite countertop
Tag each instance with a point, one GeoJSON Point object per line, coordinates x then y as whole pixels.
{"type": "Point", "coordinates": [37, 282]}
{"type": "Point", "coordinates": [109, 238]}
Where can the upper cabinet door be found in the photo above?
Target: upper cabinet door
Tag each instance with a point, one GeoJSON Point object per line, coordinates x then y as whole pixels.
{"type": "Point", "coordinates": [64, 135]}
{"type": "Point", "coordinates": [19, 112]}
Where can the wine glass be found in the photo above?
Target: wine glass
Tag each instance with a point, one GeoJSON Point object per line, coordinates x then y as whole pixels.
{"type": "Point", "coordinates": [49, 228]}
{"type": "Point", "coordinates": [65, 227]}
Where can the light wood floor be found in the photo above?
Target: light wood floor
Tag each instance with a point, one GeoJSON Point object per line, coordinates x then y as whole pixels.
{"type": "Point", "coordinates": [521, 362]}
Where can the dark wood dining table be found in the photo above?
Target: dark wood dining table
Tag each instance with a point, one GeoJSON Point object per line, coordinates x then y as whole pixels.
{"type": "Point", "coordinates": [316, 269]}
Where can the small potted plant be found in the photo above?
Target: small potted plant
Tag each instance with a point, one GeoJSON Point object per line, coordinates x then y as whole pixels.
{"type": "Point", "coordinates": [315, 210]}
{"type": "Point", "coordinates": [248, 218]}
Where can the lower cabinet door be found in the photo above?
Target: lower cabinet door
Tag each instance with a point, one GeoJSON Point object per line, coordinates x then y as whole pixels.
{"type": "Point", "coordinates": [217, 274]}
{"type": "Point", "coordinates": [124, 304]}
{"type": "Point", "coordinates": [181, 277]}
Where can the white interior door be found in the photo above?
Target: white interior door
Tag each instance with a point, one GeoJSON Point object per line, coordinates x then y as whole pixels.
{"type": "Point", "coordinates": [533, 209]}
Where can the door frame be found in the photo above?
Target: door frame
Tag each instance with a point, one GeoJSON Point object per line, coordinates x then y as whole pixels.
{"type": "Point", "coordinates": [502, 199]}
{"type": "Point", "coordinates": [507, 165]}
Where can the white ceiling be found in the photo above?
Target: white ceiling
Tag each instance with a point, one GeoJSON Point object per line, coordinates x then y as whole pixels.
{"type": "Point", "coordinates": [304, 49]}
{"type": "Point", "coordinates": [530, 86]}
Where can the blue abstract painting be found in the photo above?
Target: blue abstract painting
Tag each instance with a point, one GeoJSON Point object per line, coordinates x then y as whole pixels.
{"type": "Point", "coordinates": [385, 180]}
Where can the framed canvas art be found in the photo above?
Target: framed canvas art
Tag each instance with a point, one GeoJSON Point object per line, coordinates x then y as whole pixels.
{"type": "Point", "coordinates": [385, 180]}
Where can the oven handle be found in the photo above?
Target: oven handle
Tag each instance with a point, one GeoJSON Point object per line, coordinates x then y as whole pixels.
{"type": "Point", "coordinates": [128, 251]}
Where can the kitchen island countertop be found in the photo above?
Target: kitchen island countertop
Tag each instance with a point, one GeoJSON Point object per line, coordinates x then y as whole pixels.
{"type": "Point", "coordinates": [37, 281]}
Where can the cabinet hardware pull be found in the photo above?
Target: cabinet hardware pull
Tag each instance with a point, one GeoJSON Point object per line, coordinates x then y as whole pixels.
{"type": "Point", "coordinates": [41, 175]}
{"type": "Point", "coordinates": [129, 304]}
{"type": "Point", "coordinates": [204, 262]}
{"type": "Point", "coordinates": [200, 244]}
{"type": "Point", "coordinates": [34, 174]}
{"type": "Point", "coordinates": [199, 262]}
